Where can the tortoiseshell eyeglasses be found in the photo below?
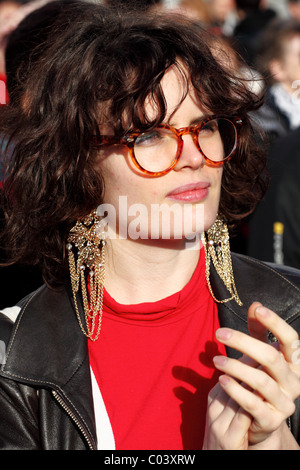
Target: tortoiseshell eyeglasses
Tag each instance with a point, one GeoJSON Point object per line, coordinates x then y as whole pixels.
{"type": "Point", "coordinates": [156, 152]}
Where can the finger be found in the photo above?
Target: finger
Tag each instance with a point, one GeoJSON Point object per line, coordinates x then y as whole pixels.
{"type": "Point", "coordinates": [220, 403]}
{"type": "Point", "coordinates": [285, 334]}
{"type": "Point", "coordinates": [231, 409]}
{"type": "Point", "coordinates": [226, 422]}
{"type": "Point", "coordinates": [266, 419]}
{"type": "Point", "coordinates": [264, 354]}
{"type": "Point", "coordinates": [238, 431]}
{"type": "Point", "coordinates": [255, 328]}
{"type": "Point", "coordinates": [217, 397]}
{"type": "Point", "coordinates": [259, 381]}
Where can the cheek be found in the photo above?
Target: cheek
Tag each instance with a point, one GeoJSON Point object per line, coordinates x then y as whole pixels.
{"type": "Point", "coordinates": [114, 176]}
{"type": "Point", "coordinates": [126, 210]}
{"type": "Point", "coordinates": [218, 179]}
{"type": "Point", "coordinates": [124, 189]}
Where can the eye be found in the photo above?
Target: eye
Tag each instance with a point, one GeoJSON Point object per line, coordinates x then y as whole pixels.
{"type": "Point", "coordinates": [152, 137]}
{"type": "Point", "coordinates": [209, 128]}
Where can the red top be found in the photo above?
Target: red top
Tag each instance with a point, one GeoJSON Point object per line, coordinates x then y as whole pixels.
{"type": "Point", "coordinates": [153, 364]}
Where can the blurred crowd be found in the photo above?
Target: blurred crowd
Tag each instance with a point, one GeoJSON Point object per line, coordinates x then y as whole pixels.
{"type": "Point", "coordinates": [261, 42]}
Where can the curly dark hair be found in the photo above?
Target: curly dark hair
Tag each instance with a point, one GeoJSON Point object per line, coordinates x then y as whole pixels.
{"type": "Point", "coordinates": [98, 67]}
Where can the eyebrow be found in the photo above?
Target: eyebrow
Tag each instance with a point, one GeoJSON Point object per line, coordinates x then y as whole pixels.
{"type": "Point", "coordinates": [195, 121]}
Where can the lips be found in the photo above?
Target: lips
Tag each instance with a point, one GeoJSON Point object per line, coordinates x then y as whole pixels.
{"type": "Point", "coordinates": [194, 192]}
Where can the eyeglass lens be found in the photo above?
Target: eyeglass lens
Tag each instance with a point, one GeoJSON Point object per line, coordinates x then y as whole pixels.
{"type": "Point", "coordinates": [156, 150]}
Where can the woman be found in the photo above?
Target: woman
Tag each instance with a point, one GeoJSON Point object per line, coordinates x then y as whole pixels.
{"type": "Point", "coordinates": [139, 324]}
{"type": "Point", "coordinates": [278, 62]}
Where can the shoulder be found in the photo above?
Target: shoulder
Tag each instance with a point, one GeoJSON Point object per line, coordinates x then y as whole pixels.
{"type": "Point", "coordinates": [33, 302]}
{"type": "Point", "coordinates": [267, 271]}
{"type": "Point", "coordinates": [6, 326]}
{"type": "Point", "coordinates": [8, 317]}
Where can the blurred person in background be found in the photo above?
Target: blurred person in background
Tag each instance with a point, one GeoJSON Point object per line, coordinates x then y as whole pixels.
{"type": "Point", "coordinates": [294, 8]}
{"type": "Point", "coordinates": [7, 10]}
{"type": "Point", "coordinates": [25, 44]}
{"type": "Point", "coordinates": [195, 9]}
{"type": "Point", "coordinates": [253, 16]}
{"type": "Point", "coordinates": [12, 12]}
{"type": "Point", "coordinates": [220, 13]}
{"type": "Point", "coordinates": [274, 234]}
{"type": "Point", "coordinates": [279, 62]}
{"type": "Point", "coordinates": [274, 227]}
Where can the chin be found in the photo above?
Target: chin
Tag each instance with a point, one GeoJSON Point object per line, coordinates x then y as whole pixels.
{"type": "Point", "coordinates": [209, 221]}
{"type": "Point", "coordinates": [196, 224]}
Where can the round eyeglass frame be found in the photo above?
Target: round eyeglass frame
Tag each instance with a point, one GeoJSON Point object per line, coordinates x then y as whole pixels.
{"type": "Point", "coordinates": [129, 141]}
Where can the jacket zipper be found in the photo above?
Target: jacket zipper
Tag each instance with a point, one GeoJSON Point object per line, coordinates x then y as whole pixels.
{"type": "Point", "coordinates": [74, 418]}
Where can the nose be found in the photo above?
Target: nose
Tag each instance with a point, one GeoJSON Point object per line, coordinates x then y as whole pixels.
{"type": "Point", "coordinates": [190, 157]}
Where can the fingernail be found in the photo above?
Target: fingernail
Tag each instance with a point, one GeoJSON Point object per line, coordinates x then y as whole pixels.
{"type": "Point", "coordinates": [224, 379]}
{"type": "Point", "coordinates": [220, 361]}
{"type": "Point", "coordinates": [223, 334]}
{"type": "Point", "coordinates": [262, 311]}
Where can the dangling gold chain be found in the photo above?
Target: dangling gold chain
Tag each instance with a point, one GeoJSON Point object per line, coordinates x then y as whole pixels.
{"type": "Point", "coordinates": [217, 249]}
{"type": "Point", "coordinates": [86, 254]}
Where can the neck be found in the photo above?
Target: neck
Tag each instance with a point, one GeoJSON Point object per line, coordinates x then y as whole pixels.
{"type": "Point", "coordinates": [147, 271]}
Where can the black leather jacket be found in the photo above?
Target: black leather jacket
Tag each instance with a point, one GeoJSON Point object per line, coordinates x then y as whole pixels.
{"type": "Point", "coordinates": [45, 387]}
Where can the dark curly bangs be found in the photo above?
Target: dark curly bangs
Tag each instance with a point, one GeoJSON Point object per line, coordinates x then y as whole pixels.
{"type": "Point", "coordinates": [100, 67]}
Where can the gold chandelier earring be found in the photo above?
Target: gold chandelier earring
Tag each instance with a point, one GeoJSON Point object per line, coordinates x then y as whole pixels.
{"type": "Point", "coordinates": [86, 255]}
{"type": "Point", "coordinates": [217, 251]}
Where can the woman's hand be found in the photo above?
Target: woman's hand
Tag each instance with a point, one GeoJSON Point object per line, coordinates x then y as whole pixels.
{"type": "Point", "coordinates": [249, 407]}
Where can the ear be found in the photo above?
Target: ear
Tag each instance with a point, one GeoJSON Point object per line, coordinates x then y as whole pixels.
{"type": "Point", "coordinates": [277, 70]}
